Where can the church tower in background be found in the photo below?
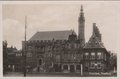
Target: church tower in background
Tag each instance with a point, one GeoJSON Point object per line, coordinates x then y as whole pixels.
{"type": "Point", "coordinates": [81, 27]}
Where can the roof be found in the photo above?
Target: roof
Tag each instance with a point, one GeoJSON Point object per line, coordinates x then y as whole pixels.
{"type": "Point", "coordinates": [94, 42]}
{"type": "Point", "coordinates": [50, 35]}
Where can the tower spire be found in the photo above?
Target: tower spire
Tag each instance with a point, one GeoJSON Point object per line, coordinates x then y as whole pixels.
{"type": "Point", "coordinates": [81, 14]}
{"type": "Point", "coordinates": [81, 26]}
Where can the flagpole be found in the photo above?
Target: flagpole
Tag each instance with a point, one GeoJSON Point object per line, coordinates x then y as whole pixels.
{"type": "Point", "coordinates": [25, 48]}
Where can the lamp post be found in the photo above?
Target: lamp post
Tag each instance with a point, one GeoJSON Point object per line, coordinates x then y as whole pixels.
{"type": "Point", "coordinates": [25, 60]}
{"type": "Point", "coordinates": [25, 48]}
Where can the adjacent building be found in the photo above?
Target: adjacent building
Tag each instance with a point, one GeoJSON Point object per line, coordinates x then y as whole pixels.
{"type": "Point", "coordinates": [12, 59]}
{"type": "Point", "coordinates": [5, 56]}
{"type": "Point", "coordinates": [95, 57]}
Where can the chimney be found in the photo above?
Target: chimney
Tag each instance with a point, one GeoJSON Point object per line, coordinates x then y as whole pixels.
{"type": "Point", "coordinates": [94, 24]}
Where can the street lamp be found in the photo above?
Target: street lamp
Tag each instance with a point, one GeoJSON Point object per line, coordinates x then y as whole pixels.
{"type": "Point", "coordinates": [25, 48]}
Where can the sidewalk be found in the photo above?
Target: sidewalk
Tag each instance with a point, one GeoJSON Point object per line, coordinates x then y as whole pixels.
{"type": "Point", "coordinates": [58, 74]}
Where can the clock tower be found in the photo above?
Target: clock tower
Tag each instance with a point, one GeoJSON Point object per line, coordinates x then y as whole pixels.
{"type": "Point", "coordinates": [81, 27]}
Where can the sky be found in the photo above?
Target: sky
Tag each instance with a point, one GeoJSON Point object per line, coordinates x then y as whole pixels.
{"type": "Point", "coordinates": [62, 16]}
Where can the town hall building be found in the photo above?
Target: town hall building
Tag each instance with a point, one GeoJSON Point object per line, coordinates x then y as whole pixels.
{"type": "Point", "coordinates": [66, 52]}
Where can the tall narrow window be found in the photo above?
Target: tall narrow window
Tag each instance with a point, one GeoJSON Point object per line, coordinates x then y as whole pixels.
{"type": "Point", "coordinates": [99, 55]}
{"type": "Point", "coordinates": [93, 55]}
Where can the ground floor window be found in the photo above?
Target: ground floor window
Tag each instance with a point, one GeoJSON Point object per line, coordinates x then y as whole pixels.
{"type": "Point", "coordinates": [92, 65]}
{"type": "Point", "coordinates": [95, 65]}
{"type": "Point", "coordinates": [86, 69]}
{"type": "Point", "coordinates": [86, 66]}
{"type": "Point", "coordinates": [65, 67]}
{"type": "Point", "coordinates": [99, 65]}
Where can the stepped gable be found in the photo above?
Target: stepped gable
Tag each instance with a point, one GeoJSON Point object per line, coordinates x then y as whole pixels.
{"type": "Point", "coordinates": [94, 42]}
{"type": "Point", "coordinates": [50, 35]}
{"type": "Point", "coordinates": [95, 29]}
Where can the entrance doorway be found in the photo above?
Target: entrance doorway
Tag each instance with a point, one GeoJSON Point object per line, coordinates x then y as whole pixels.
{"type": "Point", "coordinates": [57, 67]}
{"type": "Point", "coordinates": [72, 68]}
{"type": "Point", "coordinates": [40, 61]}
